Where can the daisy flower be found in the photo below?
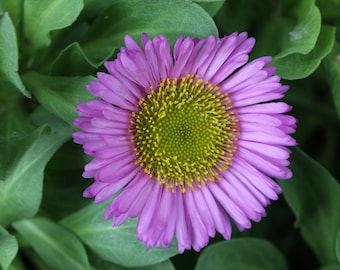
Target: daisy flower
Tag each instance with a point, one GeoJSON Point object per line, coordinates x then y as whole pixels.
{"type": "Point", "coordinates": [187, 141]}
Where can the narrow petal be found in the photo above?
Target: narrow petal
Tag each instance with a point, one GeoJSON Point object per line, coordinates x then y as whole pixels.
{"type": "Point", "coordinates": [200, 236]}
{"type": "Point", "coordinates": [221, 221]}
{"type": "Point", "coordinates": [183, 233]}
{"type": "Point", "coordinates": [203, 212]}
{"type": "Point", "coordinates": [145, 221]}
{"type": "Point", "coordinates": [230, 207]}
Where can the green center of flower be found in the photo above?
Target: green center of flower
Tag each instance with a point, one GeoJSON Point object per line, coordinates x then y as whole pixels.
{"type": "Point", "coordinates": [184, 133]}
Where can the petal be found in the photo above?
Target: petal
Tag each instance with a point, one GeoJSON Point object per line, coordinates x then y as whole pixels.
{"type": "Point", "coordinates": [230, 207]}
{"type": "Point", "coordinates": [166, 221]}
{"type": "Point", "coordinates": [200, 236]}
{"type": "Point", "coordinates": [220, 218]}
{"type": "Point", "coordinates": [116, 170]}
{"type": "Point", "coordinates": [183, 226]}
{"type": "Point", "coordinates": [241, 196]}
{"type": "Point", "coordinates": [182, 52]}
{"type": "Point", "coordinates": [263, 164]}
{"type": "Point", "coordinates": [98, 89]}
{"type": "Point", "coordinates": [256, 178]}
{"type": "Point", "coordinates": [145, 221]}
{"type": "Point", "coordinates": [264, 108]}
{"type": "Point", "coordinates": [131, 44]}
{"type": "Point", "coordinates": [203, 212]}
{"type": "Point", "coordinates": [247, 75]}
{"type": "Point", "coordinates": [275, 151]}
{"type": "Point", "coordinates": [124, 201]}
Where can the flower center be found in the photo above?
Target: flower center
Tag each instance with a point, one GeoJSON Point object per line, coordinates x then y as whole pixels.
{"type": "Point", "coordinates": [184, 133]}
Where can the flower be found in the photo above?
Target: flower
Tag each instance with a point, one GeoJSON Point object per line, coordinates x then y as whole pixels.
{"type": "Point", "coordinates": [189, 140]}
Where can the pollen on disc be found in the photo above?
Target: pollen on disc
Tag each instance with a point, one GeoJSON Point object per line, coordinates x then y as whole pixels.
{"type": "Point", "coordinates": [184, 132]}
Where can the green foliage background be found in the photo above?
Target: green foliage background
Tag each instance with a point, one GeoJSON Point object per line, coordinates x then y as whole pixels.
{"type": "Point", "coordinates": [49, 49]}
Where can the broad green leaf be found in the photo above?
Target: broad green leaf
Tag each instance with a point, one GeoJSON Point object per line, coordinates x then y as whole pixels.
{"type": "Point", "coordinates": [14, 128]}
{"type": "Point", "coordinates": [21, 190]}
{"type": "Point", "coordinates": [165, 265]}
{"type": "Point", "coordinates": [337, 247]}
{"type": "Point", "coordinates": [59, 95]}
{"type": "Point", "coordinates": [118, 245]}
{"type": "Point", "coordinates": [105, 265]}
{"type": "Point", "coordinates": [314, 196]}
{"type": "Point", "coordinates": [14, 8]}
{"type": "Point", "coordinates": [211, 6]}
{"type": "Point", "coordinates": [8, 248]}
{"type": "Point", "coordinates": [241, 254]}
{"type": "Point", "coordinates": [330, 267]}
{"type": "Point", "coordinates": [305, 34]}
{"type": "Point", "coordinates": [330, 10]}
{"type": "Point", "coordinates": [267, 37]}
{"type": "Point", "coordinates": [15, 188]}
{"type": "Point", "coordinates": [332, 64]}
{"type": "Point", "coordinates": [17, 264]}
{"type": "Point", "coordinates": [41, 17]}
{"type": "Point", "coordinates": [93, 8]}
{"type": "Point", "coordinates": [170, 18]}
{"type": "Point", "coordinates": [298, 66]}
{"type": "Point", "coordinates": [57, 246]}
{"type": "Point", "coordinates": [72, 62]}
{"type": "Point", "coordinates": [9, 77]}
{"type": "Point", "coordinates": [63, 182]}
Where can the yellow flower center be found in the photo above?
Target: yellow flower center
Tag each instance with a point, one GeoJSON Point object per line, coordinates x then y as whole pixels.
{"type": "Point", "coordinates": [184, 133]}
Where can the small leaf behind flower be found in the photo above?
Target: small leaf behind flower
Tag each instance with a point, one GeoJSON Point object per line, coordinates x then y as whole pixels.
{"type": "Point", "coordinates": [133, 17]}
{"type": "Point", "coordinates": [297, 66]}
{"type": "Point", "coordinates": [304, 35]}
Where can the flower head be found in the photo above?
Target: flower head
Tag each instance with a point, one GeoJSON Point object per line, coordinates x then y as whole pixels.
{"type": "Point", "coordinates": [190, 140]}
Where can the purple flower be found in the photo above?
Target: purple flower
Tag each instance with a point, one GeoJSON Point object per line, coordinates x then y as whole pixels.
{"type": "Point", "coordinates": [189, 140]}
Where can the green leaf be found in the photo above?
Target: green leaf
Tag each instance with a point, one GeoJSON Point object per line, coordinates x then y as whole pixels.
{"type": "Point", "coordinates": [118, 245]}
{"type": "Point", "coordinates": [305, 33]}
{"type": "Point", "coordinates": [337, 247]}
{"type": "Point", "coordinates": [20, 191]}
{"type": "Point", "coordinates": [93, 8]}
{"type": "Point", "coordinates": [210, 6]}
{"type": "Point", "coordinates": [298, 66]}
{"type": "Point", "coordinates": [9, 77]}
{"type": "Point", "coordinates": [72, 62]}
{"type": "Point", "coordinates": [63, 182]}
{"type": "Point", "coordinates": [17, 264]}
{"type": "Point", "coordinates": [41, 17]}
{"type": "Point", "coordinates": [170, 18]}
{"type": "Point", "coordinates": [330, 10]}
{"type": "Point", "coordinates": [314, 196]}
{"type": "Point", "coordinates": [58, 247]}
{"type": "Point", "coordinates": [14, 127]}
{"type": "Point", "coordinates": [330, 267]}
{"type": "Point", "coordinates": [105, 265]}
{"type": "Point", "coordinates": [241, 254]}
{"type": "Point", "coordinates": [166, 265]}
{"type": "Point", "coordinates": [14, 8]}
{"type": "Point", "coordinates": [332, 64]}
{"type": "Point", "coordinates": [8, 248]}
{"type": "Point", "coordinates": [59, 95]}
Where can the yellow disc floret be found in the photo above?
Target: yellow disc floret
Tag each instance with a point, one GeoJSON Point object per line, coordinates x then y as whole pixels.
{"type": "Point", "coordinates": [184, 132]}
